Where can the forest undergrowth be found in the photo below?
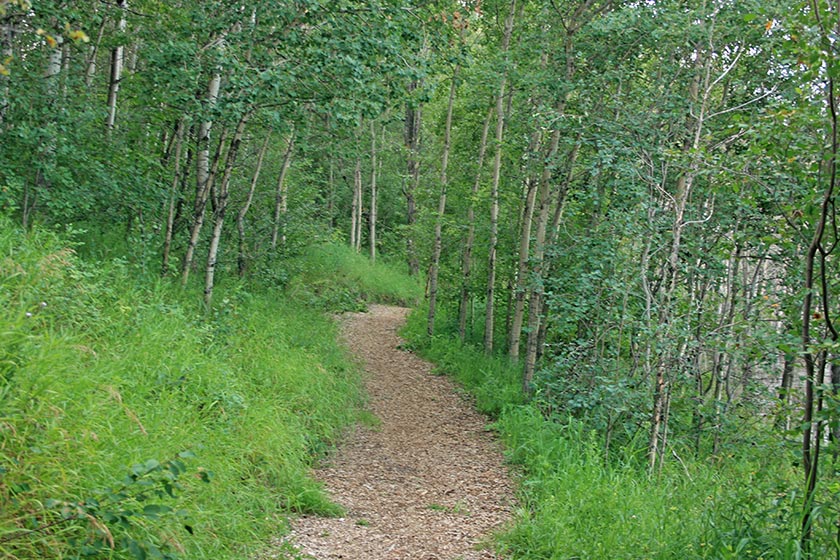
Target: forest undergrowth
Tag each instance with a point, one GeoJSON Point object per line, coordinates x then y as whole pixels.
{"type": "Point", "coordinates": [577, 501]}
{"type": "Point", "coordinates": [136, 424]}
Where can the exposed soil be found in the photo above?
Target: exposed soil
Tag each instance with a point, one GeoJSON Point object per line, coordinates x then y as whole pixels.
{"type": "Point", "coordinates": [429, 483]}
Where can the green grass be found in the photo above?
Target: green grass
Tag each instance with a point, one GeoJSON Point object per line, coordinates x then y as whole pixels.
{"type": "Point", "coordinates": [334, 276]}
{"type": "Point", "coordinates": [133, 425]}
{"type": "Point", "coordinates": [576, 505]}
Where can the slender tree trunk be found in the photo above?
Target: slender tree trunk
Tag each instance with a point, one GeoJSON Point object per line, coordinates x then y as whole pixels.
{"type": "Point", "coordinates": [553, 231]}
{"type": "Point", "coordinates": [520, 289]}
{"type": "Point", "coordinates": [834, 434]}
{"type": "Point", "coordinates": [682, 194]}
{"type": "Point", "coordinates": [198, 214]}
{"type": "Point", "coordinates": [661, 387]}
{"type": "Point", "coordinates": [494, 190]}
{"type": "Point", "coordinates": [816, 360]}
{"type": "Point", "coordinates": [373, 200]}
{"type": "Point", "coordinates": [521, 273]}
{"type": "Point", "coordinates": [785, 389]}
{"type": "Point", "coordinates": [535, 295]}
{"type": "Point", "coordinates": [133, 50]}
{"type": "Point", "coordinates": [53, 71]}
{"type": "Point", "coordinates": [331, 194]}
{"type": "Point", "coordinates": [356, 210]}
{"type": "Point", "coordinates": [281, 200]}
{"type": "Point", "coordinates": [242, 259]}
{"type": "Point", "coordinates": [559, 207]}
{"type": "Point", "coordinates": [357, 184]}
{"type": "Point", "coordinates": [435, 266]}
{"type": "Point", "coordinates": [221, 209]}
{"type": "Point", "coordinates": [727, 321]}
{"type": "Point", "coordinates": [202, 161]}
{"type": "Point", "coordinates": [413, 118]}
{"type": "Point", "coordinates": [90, 66]}
{"type": "Point", "coordinates": [117, 60]}
{"type": "Point", "coordinates": [469, 241]}
{"type": "Point", "coordinates": [65, 64]}
{"type": "Point", "coordinates": [47, 149]}
{"type": "Point", "coordinates": [7, 35]}
{"type": "Point", "coordinates": [173, 196]}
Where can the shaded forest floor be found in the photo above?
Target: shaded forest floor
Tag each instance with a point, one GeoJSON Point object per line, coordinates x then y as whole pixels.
{"type": "Point", "coordinates": [426, 480]}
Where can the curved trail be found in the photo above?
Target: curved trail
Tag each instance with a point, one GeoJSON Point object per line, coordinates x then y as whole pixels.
{"type": "Point", "coordinates": [428, 483]}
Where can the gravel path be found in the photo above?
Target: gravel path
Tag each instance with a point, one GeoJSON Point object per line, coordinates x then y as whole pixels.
{"type": "Point", "coordinates": [428, 483]}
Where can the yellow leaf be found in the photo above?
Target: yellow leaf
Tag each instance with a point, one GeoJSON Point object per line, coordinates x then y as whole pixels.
{"type": "Point", "coordinates": [3, 70]}
{"type": "Point", "coordinates": [51, 41]}
{"type": "Point", "coordinates": [79, 35]}
{"type": "Point", "coordinates": [769, 25]}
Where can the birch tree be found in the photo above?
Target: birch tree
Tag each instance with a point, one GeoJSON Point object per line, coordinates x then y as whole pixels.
{"type": "Point", "coordinates": [117, 63]}
{"type": "Point", "coordinates": [489, 323]}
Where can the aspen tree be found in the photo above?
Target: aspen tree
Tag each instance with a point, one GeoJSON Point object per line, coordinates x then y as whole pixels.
{"type": "Point", "coordinates": [469, 241]}
{"type": "Point", "coordinates": [173, 196]}
{"type": "Point", "coordinates": [281, 201]}
{"type": "Point", "coordinates": [435, 265]}
{"type": "Point", "coordinates": [241, 260]}
{"type": "Point", "coordinates": [374, 171]}
{"type": "Point", "coordinates": [413, 119]}
{"type": "Point", "coordinates": [221, 204]}
{"type": "Point", "coordinates": [117, 61]}
{"type": "Point", "coordinates": [489, 325]}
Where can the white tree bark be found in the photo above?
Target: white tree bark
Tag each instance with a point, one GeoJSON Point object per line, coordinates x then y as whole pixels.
{"type": "Point", "coordinates": [435, 266]}
{"type": "Point", "coordinates": [198, 215]}
{"type": "Point", "coordinates": [494, 192]}
{"type": "Point", "coordinates": [221, 209]}
{"type": "Point", "coordinates": [373, 194]}
{"type": "Point", "coordinates": [281, 203]}
{"type": "Point", "coordinates": [469, 241]}
{"type": "Point", "coordinates": [117, 61]}
{"type": "Point", "coordinates": [202, 161]}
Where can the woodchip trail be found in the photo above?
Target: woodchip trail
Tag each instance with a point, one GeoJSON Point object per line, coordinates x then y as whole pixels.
{"type": "Point", "coordinates": [429, 483]}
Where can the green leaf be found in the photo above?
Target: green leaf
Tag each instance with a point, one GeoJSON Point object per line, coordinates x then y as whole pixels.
{"type": "Point", "coordinates": [154, 510]}
{"type": "Point", "coordinates": [136, 550]}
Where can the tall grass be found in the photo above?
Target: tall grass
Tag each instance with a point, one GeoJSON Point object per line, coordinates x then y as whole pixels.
{"type": "Point", "coordinates": [132, 425]}
{"type": "Point", "coordinates": [577, 504]}
{"type": "Point", "coordinates": [334, 276]}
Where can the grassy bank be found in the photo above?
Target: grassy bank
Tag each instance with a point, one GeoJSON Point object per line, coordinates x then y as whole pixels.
{"type": "Point", "coordinates": [577, 504]}
{"type": "Point", "coordinates": [134, 425]}
{"type": "Point", "coordinates": [334, 277]}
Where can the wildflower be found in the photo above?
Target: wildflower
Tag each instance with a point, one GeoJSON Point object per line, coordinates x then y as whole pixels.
{"type": "Point", "coordinates": [28, 314]}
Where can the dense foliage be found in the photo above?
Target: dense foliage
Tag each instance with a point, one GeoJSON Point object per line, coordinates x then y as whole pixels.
{"type": "Point", "coordinates": [634, 200]}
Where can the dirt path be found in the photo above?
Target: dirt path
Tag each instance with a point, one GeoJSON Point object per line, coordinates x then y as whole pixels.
{"type": "Point", "coordinates": [428, 483]}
